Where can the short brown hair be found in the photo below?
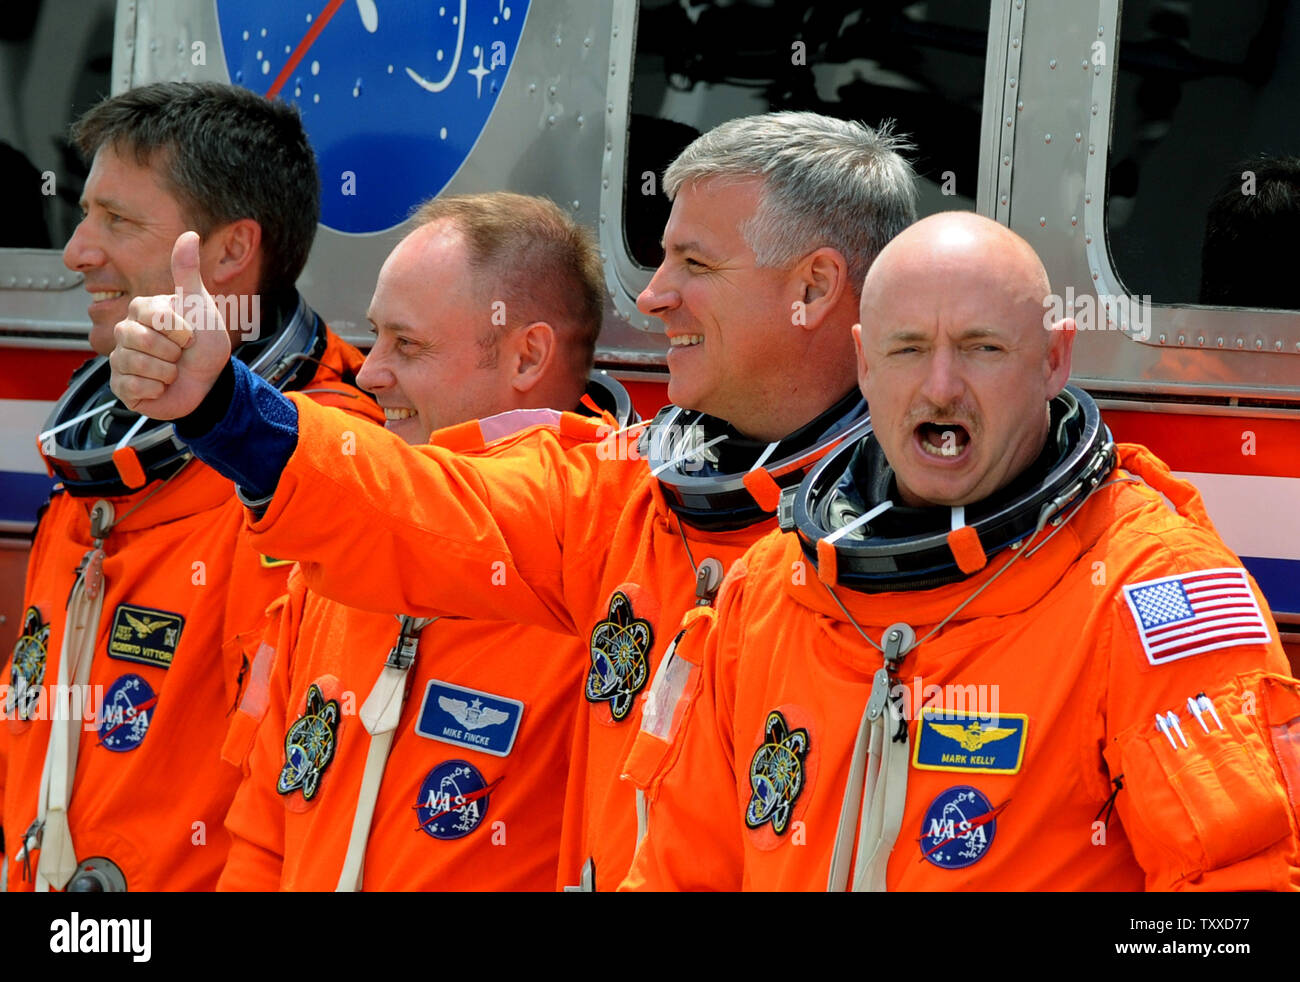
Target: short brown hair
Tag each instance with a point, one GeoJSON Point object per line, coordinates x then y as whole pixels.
{"type": "Point", "coordinates": [227, 153]}
{"type": "Point", "coordinates": [530, 254]}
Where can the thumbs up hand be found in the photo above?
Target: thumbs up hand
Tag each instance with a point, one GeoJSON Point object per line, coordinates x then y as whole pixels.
{"type": "Point", "coordinates": [170, 349]}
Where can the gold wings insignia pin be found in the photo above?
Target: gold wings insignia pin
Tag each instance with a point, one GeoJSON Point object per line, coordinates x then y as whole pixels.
{"type": "Point", "coordinates": [144, 628]}
{"type": "Point", "coordinates": [972, 737]}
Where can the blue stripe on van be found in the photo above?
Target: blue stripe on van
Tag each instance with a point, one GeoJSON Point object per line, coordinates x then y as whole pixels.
{"type": "Point", "coordinates": [1280, 581]}
{"type": "Point", "coordinates": [21, 495]}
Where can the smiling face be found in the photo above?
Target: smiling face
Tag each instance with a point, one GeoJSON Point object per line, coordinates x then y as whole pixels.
{"type": "Point", "coordinates": [123, 245]}
{"type": "Point", "coordinates": [954, 360]}
{"type": "Point", "coordinates": [426, 364]}
{"type": "Point", "coordinates": [727, 319]}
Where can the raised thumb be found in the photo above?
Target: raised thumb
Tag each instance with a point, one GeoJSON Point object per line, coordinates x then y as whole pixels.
{"type": "Point", "coordinates": [185, 264]}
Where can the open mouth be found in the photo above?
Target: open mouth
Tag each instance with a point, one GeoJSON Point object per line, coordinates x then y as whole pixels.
{"type": "Point", "coordinates": [393, 415]}
{"type": "Point", "coordinates": [686, 340]}
{"type": "Point", "coordinates": [101, 295]}
{"type": "Point", "coordinates": [945, 440]}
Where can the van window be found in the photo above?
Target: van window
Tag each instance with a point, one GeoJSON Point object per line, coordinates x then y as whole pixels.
{"type": "Point", "coordinates": [52, 69]}
{"type": "Point", "coordinates": [699, 64]}
{"type": "Point", "coordinates": [1203, 201]}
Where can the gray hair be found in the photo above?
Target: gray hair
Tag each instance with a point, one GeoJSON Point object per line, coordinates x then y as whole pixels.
{"type": "Point", "coordinates": [826, 182]}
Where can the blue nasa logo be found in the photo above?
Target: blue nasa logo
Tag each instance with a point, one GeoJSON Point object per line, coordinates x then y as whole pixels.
{"type": "Point", "coordinates": [124, 718]}
{"type": "Point", "coordinates": [393, 96]}
{"type": "Point", "coordinates": [453, 800]}
{"type": "Point", "coordinates": [958, 828]}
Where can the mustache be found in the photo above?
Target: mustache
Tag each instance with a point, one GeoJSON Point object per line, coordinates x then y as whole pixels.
{"type": "Point", "coordinates": [956, 413]}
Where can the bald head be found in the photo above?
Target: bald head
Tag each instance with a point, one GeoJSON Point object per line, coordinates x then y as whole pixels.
{"type": "Point", "coordinates": [954, 359]}
{"type": "Point", "coordinates": [987, 257]}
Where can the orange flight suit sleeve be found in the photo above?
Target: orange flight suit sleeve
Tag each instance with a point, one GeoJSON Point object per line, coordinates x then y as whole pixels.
{"type": "Point", "coordinates": [1212, 807]}
{"type": "Point", "coordinates": [693, 834]}
{"type": "Point", "coordinates": [256, 817]}
{"type": "Point", "coordinates": [11, 842]}
{"type": "Point", "coordinates": [429, 531]}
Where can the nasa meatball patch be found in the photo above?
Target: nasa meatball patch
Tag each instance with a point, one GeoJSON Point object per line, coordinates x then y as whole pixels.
{"type": "Point", "coordinates": [958, 828]}
{"type": "Point", "coordinates": [469, 718]}
{"type": "Point", "coordinates": [453, 800]}
{"type": "Point", "coordinates": [124, 718]}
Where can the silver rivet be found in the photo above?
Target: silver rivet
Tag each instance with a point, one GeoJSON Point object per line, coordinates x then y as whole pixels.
{"type": "Point", "coordinates": [1015, 42]}
{"type": "Point", "coordinates": [1078, 137]}
{"type": "Point", "coordinates": [576, 205]}
{"type": "Point", "coordinates": [1074, 219]}
{"type": "Point", "coordinates": [1094, 274]}
{"type": "Point", "coordinates": [29, 282]}
{"type": "Point", "coordinates": [1241, 342]}
{"type": "Point", "coordinates": [1092, 148]}
{"type": "Point", "coordinates": [45, 282]}
{"type": "Point", "coordinates": [1047, 137]}
{"type": "Point", "coordinates": [557, 40]}
{"type": "Point", "coordinates": [1097, 70]}
{"type": "Point", "coordinates": [1008, 120]}
{"type": "Point", "coordinates": [1087, 198]}
{"type": "Point", "coordinates": [1099, 29]}
{"type": "Point", "coordinates": [1004, 199]}
{"type": "Point", "coordinates": [605, 183]}
{"type": "Point", "coordinates": [1182, 339]}
{"type": "Point", "coordinates": [1259, 344]}
{"type": "Point", "coordinates": [1052, 64]}
{"type": "Point", "coordinates": [1088, 238]}
{"type": "Point", "coordinates": [1006, 160]}
{"type": "Point", "coordinates": [602, 218]}
{"type": "Point", "coordinates": [580, 120]}
{"type": "Point", "coordinates": [1220, 342]}
{"type": "Point", "coordinates": [1277, 345]}
{"type": "Point", "coordinates": [1042, 221]}
{"type": "Point", "coordinates": [1084, 64]}
{"type": "Point", "coordinates": [586, 42]}
{"type": "Point", "coordinates": [1162, 339]}
{"type": "Point", "coordinates": [532, 86]}
{"type": "Point", "coordinates": [1201, 340]}
{"type": "Point", "coordinates": [550, 120]}
{"type": "Point", "coordinates": [1020, 107]}
{"type": "Point", "coordinates": [1012, 83]}
{"type": "Point", "coordinates": [552, 91]}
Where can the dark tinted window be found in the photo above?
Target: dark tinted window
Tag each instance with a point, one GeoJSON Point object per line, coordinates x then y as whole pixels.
{"type": "Point", "coordinates": [1204, 182]}
{"type": "Point", "coordinates": [52, 69]}
{"type": "Point", "coordinates": [700, 64]}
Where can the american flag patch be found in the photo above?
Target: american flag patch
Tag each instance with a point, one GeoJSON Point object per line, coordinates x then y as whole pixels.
{"type": "Point", "coordinates": [1181, 616]}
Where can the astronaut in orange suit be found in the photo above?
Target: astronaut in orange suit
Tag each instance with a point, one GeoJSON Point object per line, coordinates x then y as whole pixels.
{"type": "Point", "coordinates": [775, 220]}
{"type": "Point", "coordinates": [984, 653]}
{"type": "Point", "coordinates": [144, 600]}
{"type": "Point", "coordinates": [413, 754]}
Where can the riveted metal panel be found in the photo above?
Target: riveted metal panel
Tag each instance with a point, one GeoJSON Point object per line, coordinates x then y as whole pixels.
{"type": "Point", "coordinates": [1058, 203]}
